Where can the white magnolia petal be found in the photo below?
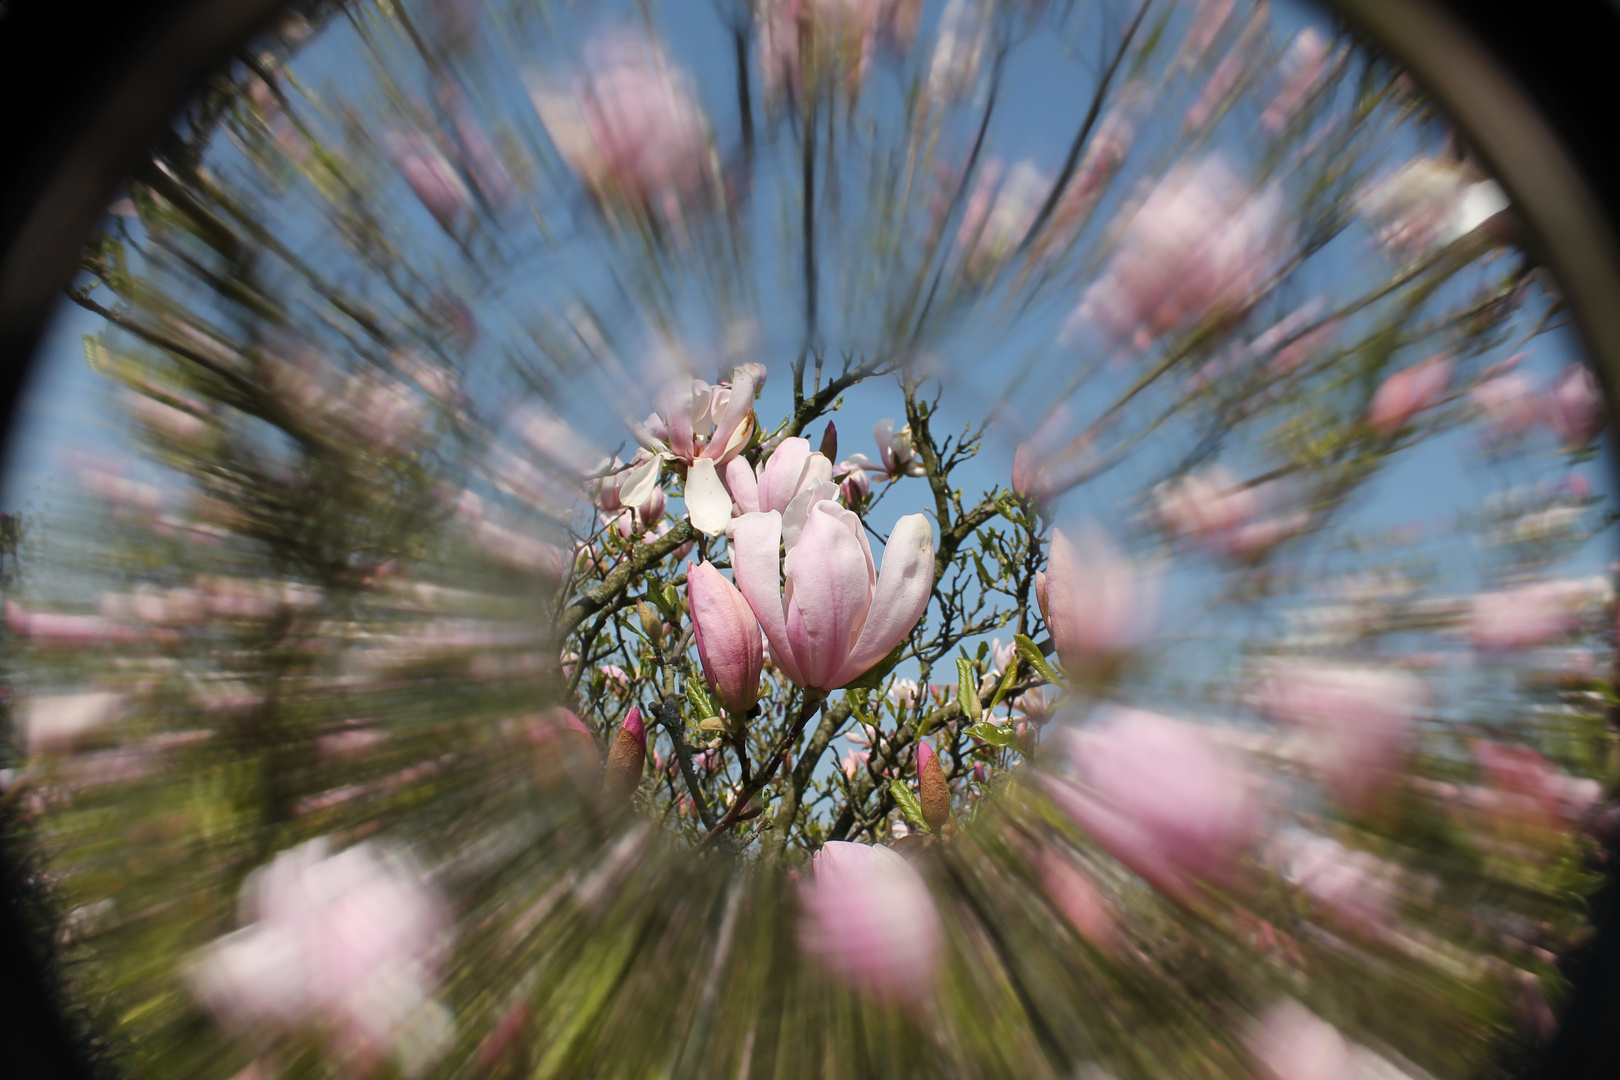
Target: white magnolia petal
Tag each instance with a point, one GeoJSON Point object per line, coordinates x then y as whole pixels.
{"type": "Point", "coordinates": [707, 503]}
{"type": "Point", "coordinates": [638, 486]}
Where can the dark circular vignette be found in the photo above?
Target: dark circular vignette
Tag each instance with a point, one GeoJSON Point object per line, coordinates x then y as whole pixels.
{"type": "Point", "coordinates": [90, 85]}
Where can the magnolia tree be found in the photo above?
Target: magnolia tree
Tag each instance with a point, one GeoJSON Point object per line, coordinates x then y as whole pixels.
{"type": "Point", "coordinates": [508, 653]}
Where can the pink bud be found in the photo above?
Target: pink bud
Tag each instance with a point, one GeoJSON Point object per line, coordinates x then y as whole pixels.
{"type": "Point", "coordinates": [1407, 393]}
{"type": "Point", "coordinates": [727, 635]}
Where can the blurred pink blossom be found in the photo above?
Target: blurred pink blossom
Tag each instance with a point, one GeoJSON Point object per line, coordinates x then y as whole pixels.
{"type": "Point", "coordinates": [1358, 720]}
{"type": "Point", "coordinates": [1407, 393]}
{"type": "Point", "coordinates": [1291, 1043]}
{"type": "Point", "coordinates": [1159, 797]}
{"type": "Point", "coordinates": [1097, 602]}
{"type": "Point", "coordinates": [1429, 204]}
{"type": "Point", "coordinates": [1201, 246]}
{"type": "Point", "coordinates": [1574, 405]}
{"type": "Point", "coordinates": [630, 126]}
{"type": "Point", "coordinates": [1508, 405]}
{"type": "Point", "coordinates": [1512, 620]}
{"type": "Point", "coordinates": [999, 214]}
{"type": "Point", "coordinates": [869, 919]}
{"type": "Point", "coordinates": [55, 723]}
{"type": "Point", "coordinates": [898, 456]}
{"type": "Point", "coordinates": [1355, 887]}
{"type": "Point", "coordinates": [349, 945]}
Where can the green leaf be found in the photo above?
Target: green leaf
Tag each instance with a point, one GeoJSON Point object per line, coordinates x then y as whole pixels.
{"type": "Point", "coordinates": [1032, 652]}
{"type": "Point", "coordinates": [858, 711]}
{"type": "Point", "coordinates": [908, 804]}
{"type": "Point", "coordinates": [1007, 678]}
{"type": "Point", "coordinates": [873, 679]}
{"type": "Point", "coordinates": [993, 734]}
{"type": "Point", "coordinates": [967, 690]}
{"type": "Point", "coordinates": [668, 600]}
{"type": "Point", "coordinates": [702, 705]}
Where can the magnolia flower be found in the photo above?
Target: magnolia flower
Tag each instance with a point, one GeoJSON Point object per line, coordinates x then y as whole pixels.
{"type": "Point", "coordinates": [1429, 204]}
{"type": "Point", "coordinates": [1201, 31]}
{"type": "Point", "coordinates": [184, 426]}
{"type": "Point", "coordinates": [1201, 246]}
{"type": "Point", "coordinates": [727, 636]}
{"type": "Point", "coordinates": [1097, 603]}
{"type": "Point", "coordinates": [1574, 406]}
{"type": "Point", "coordinates": [1513, 620]}
{"type": "Point", "coordinates": [1054, 458]}
{"type": "Point", "coordinates": [999, 214]}
{"type": "Point", "coordinates": [1358, 720]}
{"type": "Point", "coordinates": [1408, 392]}
{"type": "Point", "coordinates": [695, 420]}
{"type": "Point", "coordinates": [903, 692]}
{"type": "Point", "coordinates": [630, 127]}
{"type": "Point", "coordinates": [839, 616]}
{"type": "Point", "coordinates": [348, 945]}
{"type": "Point", "coordinates": [1159, 797]}
{"type": "Point", "coordinates": [868, 918]}
{"type": "Point", "coordinates": [856, 486]}
{"type": "Point", "coordinates": [788, 481]}
{"type": "Point", "coordinates": [1002, 654]}
{"type": "Point", "coordinates": [899, 456]}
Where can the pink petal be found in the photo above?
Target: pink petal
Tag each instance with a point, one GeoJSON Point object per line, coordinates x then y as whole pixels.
{"type": "Point", "coordinates": [727, 637]}
{"type": "Point", "coordinates": [756, 564]}
{"type": "Point", "coordinates": [779, 480]}
{"type": "Point", "coordinates": [743, 485]}
{"type": "Point", "coordinates": [903, 589]}
{"type": "Point", "coordinates": [829, 590]}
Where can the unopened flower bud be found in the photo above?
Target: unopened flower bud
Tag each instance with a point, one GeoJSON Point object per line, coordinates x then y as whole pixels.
{"type": "Point", "coordinates": [932, 790]}
{"type": "Point", "coordinates": [829, 442]}
{"type": "Point", "coordinates": [651, 623]}
{"type": "Point", "coordinates": [628, 756]}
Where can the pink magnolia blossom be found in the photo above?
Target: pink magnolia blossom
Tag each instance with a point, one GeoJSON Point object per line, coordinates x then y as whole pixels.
{"type": "Point", "coordinates": [727, 636]}
{"type": "Point", "coordinates": [856, 487]}
{"type": "Point", "coordinates": [631, 126]}
{"type": "Point", "coordinates": [696, 420]}
{"type": "Point", "coordinates": [1201, 246]}
{"type": "Point", "coordinates": [1159, 797]}
{"type": "Point", "coordinates": [1408, 392]}
{"type": "Point", "coordinates": [839, 616]}
{"type": "Point", "coordinates": [1574, 406]}
{"type": "Point", "coordinates": [1524, 617]}
{"type": "Point", "coordinates": [903, 692]}
{"type": "Point", "coordinates": [52, 630]}
{"type": "Point", "coordinates": [349, 945]}
{"type": "Point", "coordinates": [1054, 458]}
{"type": "Point", "coordinates": [1097, 603]}
{"type": "Point", "coordinates": [792, 480]}
{"type": "Point", "coordinates": [898, 455]}
{"type": "Point", "coordinates": [1202, 30]}
{"type": "Point", "coordinates": [1002, 654]}
{"type": "Point", "coordinates": [1358, 721]}
{"type": "Point", "coordinates": [1105, 154]}
{"type": "Point", "coordinates": [185, 426]}
{"type": "Point", "coordinates": [869, 919]}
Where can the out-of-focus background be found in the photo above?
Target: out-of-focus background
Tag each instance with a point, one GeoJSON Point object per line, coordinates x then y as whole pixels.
{"type": "Point", "coordinates": [813, 538]}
